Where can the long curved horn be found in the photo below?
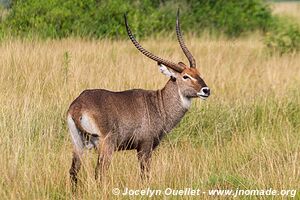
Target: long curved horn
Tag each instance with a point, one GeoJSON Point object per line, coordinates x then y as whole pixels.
{"type": "Point", "coordinates": [167, 63]}
{"type": "Point", "coordinates": [182, 44]}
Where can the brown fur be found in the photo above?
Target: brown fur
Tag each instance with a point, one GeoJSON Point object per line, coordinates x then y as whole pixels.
{"type": "Point", "coordinates": [133, 119]}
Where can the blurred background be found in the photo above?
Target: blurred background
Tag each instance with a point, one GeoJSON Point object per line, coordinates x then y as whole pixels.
{"type": "Point", "coordinates": [104, 19]}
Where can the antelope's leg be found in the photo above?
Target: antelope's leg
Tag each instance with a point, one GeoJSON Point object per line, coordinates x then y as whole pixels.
{"type": "Point", "coordinates": [75, 167]}
{"type": "Point", "coordinates": [105, 153]}
{"type": "Point", "coordinates": [78, 145]}
{"type": "Point", "coordinates": [144, 157]}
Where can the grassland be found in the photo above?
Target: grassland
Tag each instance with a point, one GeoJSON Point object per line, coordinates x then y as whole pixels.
{"type": "Point", "coordinates": [246, 135]}
{"type": "Point", "coordinates": [289, 9]}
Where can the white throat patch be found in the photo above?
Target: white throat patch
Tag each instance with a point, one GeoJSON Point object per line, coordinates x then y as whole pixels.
{"type": "Point", "coordinates": [186, 102]}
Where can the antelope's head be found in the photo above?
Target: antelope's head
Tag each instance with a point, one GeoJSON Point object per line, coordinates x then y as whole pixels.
{"type": "Point", "coordinates": [188, 78]}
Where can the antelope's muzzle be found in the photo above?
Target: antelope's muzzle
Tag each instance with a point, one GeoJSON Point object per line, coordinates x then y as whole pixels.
{"type": "Point", "coordinates": [204, 93]}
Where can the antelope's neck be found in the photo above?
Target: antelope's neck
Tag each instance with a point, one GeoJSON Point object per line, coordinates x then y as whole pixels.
{"type": "Point", "coordinates": [173, 105]}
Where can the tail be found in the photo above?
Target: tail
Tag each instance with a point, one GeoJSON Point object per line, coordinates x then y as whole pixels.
{"type": "Point", "coordinates": [76, 136]}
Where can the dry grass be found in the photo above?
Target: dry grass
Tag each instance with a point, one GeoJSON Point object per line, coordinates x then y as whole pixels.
{"type": "Point", "coordinates": [245, 136]}
{"type": "Point", "coordinates": [291, 9]}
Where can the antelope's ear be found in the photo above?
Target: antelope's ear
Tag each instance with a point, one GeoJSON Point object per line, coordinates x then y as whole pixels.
{"type": "Point", "coordinates": [182, 65]}
{"type": "Point", "coordinates": [166, 71]}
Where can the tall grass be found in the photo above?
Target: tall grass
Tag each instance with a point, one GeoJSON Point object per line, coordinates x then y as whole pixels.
{"type": "Point", "coordinates": [290, 9]}
{"type": "Point", "coordinates": [246, 135]}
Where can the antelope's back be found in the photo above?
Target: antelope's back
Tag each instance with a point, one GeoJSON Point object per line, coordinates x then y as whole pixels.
{"type": "Point", "coordinates": [123, 112]}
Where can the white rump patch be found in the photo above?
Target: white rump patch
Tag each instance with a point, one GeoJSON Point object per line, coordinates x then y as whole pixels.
{"type": "Point", "coordinates": [168, 72]}
{"type": "Point", "coordinates": [88, 124]}
{"type": "Point", "coordinates": [75, 135]}
{"type": "Point", "coordinates": [186, 102]}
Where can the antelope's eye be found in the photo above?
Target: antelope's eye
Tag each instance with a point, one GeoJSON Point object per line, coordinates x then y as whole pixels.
{"type": "Point", "coordinates": [186, 77]}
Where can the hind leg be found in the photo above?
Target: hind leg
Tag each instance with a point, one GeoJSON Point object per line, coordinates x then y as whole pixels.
{"type": "Point", "coordinates": [78, 144]}
{"type": "Point", "coordinates": [105, 153]}
{"type": "Point", "coordinates": [75, 167]}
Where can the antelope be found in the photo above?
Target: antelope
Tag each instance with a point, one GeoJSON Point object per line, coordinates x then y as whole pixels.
{"type": "Point", "coordinates": [134, 119]}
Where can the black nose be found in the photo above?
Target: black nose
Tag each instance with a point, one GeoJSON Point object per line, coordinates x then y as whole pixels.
{"type": "Point", "coordinates": [206, 90]}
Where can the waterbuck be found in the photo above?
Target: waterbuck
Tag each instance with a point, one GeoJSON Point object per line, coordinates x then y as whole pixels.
{"type": "Point", "coordinates": [133, 119]}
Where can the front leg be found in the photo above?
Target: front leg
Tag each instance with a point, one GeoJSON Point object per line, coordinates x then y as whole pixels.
{"type": "Point", "coordinates": [144, 156]}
